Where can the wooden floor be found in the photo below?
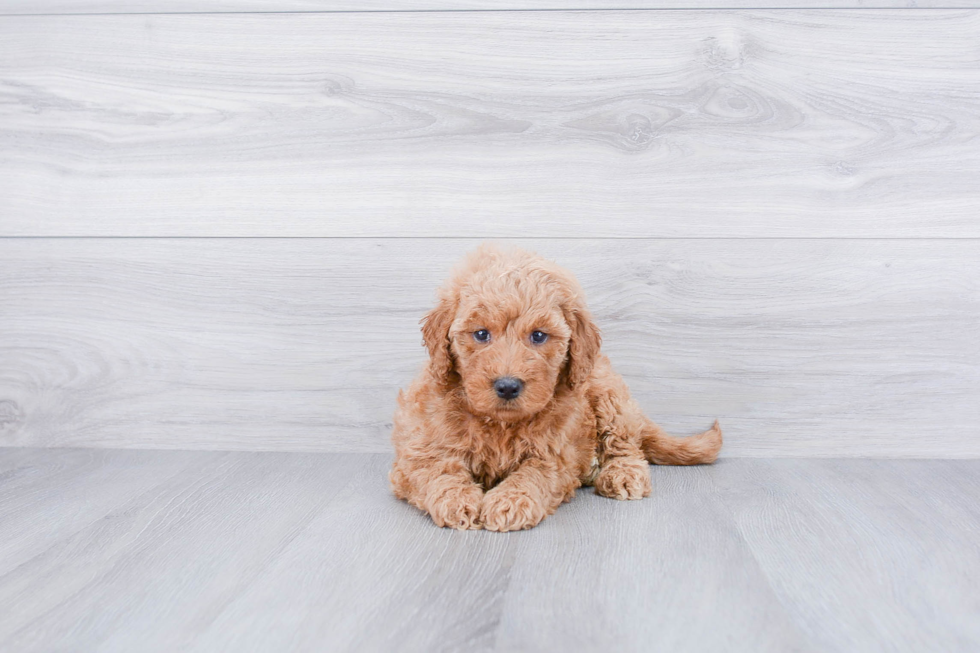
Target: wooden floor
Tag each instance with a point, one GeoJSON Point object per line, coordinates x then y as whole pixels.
{"type": "Point", "coordinates": [118, 550]}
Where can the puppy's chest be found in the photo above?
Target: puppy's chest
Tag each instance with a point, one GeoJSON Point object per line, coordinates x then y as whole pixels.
{"type": "Point", "coordinates": [496, 452]}
{"type": "Point", "coordinates": [495, 455]}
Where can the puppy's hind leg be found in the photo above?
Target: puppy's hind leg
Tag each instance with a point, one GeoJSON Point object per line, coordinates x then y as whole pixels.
{"type": "Point", "coordinates": [624, 477]}
{"type": "Point", "coordinates": [625, 473]}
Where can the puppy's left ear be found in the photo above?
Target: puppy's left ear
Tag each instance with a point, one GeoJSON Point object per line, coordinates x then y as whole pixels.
{"type": "Point", "coordinates": [583, 348]}
{"type": "Point", "coordinates": [435, 334]}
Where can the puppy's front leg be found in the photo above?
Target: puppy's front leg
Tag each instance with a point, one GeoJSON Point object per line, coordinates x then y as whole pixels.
{"type": "Point", "coordinates": [444, 489]}
{"type": "Point", "coordinates": [528, 495]}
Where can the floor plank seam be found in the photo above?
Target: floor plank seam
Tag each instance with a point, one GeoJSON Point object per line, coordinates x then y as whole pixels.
{"type": "Point", "coordinates": [489, 11]}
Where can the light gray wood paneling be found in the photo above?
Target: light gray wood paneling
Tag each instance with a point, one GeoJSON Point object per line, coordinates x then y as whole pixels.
{"type": "Point", "coordinates": [652, 565]}
{"type": "Point", "coordinates": [450, 591]}
{"type": "Point", "coordinates": [34, 7]}
{"type": "Point", "coordinates": [389, 578]}
{"type": "Point", "coordinates": [678, 123]}
{"type": "Point", "coordinates": [174, 554]}
{"type": "Point", "coordinates": [866, 534]}
{"type": "Point", "coordinates": [800, 347]}
{"type": "Point", "coordinates": [306, 552]}
{"type": "Point", "coordinates": [50, 495]}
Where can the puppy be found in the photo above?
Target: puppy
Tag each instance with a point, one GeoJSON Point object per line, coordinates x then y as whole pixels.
{"type": "Point", "coordinates": [517, 407]}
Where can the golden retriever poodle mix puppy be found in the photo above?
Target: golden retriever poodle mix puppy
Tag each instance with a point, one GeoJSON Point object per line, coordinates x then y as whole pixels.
{"type": "Point", "coordinates": [517, 407]}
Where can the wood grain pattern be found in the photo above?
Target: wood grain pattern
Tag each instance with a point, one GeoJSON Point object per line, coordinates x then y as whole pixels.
{"type": "Point", "coordinates": [651, 566]}
{"type": "Point", "coordinates": [311, 552]}
{"type": "Point", "coordinates": [572, 581]}
{"type": "Point", "coordinates": [800, 347]}
{"type": "Point", "coordinates": [420, 587]}
{"type": "Point", "coordinates": [51, 495]}
{"type": "Point", "coordinates": [490, 124]}
{"type": "Point", "coordinates": [45, 7]}
{"type": "Point", "coordinates": [865, 534]}
{"type": "Point", "coordinates": [35, 7]}
{"type": "Point", "coordinates": [188, 545]}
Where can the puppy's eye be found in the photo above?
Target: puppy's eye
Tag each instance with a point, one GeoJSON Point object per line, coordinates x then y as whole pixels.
{"type": "Point", "coordinates": [538, 337]}
{"type": "Point", "coordinates": [482, 335]}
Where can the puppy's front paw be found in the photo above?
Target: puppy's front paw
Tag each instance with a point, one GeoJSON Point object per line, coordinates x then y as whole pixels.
{"type": "Point", "coordinates": [457, 507]}
{"type": "Point", "coordinates": [506, 509]}
{"type": "Point", "coordinates": [624, 478]}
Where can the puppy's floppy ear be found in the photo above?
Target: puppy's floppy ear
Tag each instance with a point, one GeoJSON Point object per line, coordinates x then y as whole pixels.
{"type": "Point", "coordinates": [583, 348]}
{"type": "Point", "coordinates": [435, 334]}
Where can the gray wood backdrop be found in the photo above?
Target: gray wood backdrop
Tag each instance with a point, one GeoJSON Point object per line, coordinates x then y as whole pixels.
{"type": "Point", "coordinates": [219, 230]}
{"type": "Point", "coordinates": [46, 7]}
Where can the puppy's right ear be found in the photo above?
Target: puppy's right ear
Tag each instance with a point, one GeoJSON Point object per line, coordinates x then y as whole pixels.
{"type": "Point", "coordinates": [435, 334]}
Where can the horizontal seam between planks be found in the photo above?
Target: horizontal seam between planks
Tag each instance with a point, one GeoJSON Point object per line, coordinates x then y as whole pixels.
{"type": "Point", "coordinates": [495, 238]}
{"type": "Point", "coordinates": [483, 11]}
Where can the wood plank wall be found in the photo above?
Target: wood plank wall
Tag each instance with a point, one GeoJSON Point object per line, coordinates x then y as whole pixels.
{"type": "Point", "coordinates": [219, 230]}
{"type": "Point", "coordinates": [47, 7]}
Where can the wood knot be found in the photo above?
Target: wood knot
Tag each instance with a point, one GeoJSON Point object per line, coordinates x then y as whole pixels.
{"type": "Point", "coordinates": [10, 415]}
{"type": "Point", "coordinates": [639, 129]}
{"type": "Point", "coordinates": [843, 169]}
{"type": "Point", "coordinates": [723, 52]}
{"type": "Point", "coordinates": [334, 86]}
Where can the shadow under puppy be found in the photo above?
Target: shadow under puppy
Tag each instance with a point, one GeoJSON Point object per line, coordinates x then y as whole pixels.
{"type": "Point", "coordinates": [517, 407]}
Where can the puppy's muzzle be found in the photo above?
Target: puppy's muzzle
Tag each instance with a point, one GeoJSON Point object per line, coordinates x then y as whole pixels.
{"type": "Point", "coordinates": [508, 387]}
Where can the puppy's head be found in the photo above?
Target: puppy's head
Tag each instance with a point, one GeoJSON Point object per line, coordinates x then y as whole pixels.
{"type": "Point", "coordinates": [511, 329]}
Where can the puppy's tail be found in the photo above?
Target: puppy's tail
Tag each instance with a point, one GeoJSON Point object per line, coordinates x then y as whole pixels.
{"type": "Point", "coordinates": [662, 449]}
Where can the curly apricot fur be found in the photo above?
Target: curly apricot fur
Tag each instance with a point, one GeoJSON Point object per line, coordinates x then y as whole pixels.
{"type": "Point", "coordinates": [471, 459]}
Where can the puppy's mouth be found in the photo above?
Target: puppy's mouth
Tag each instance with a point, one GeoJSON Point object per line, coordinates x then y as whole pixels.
{"type": "Point", "coordinates": [511, 409]}
{"type": "Point", "coordinates": [507, 409]}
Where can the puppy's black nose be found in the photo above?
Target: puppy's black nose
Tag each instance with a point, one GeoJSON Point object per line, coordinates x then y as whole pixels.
{"type": "Point", "coordinates": [508, 387]}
